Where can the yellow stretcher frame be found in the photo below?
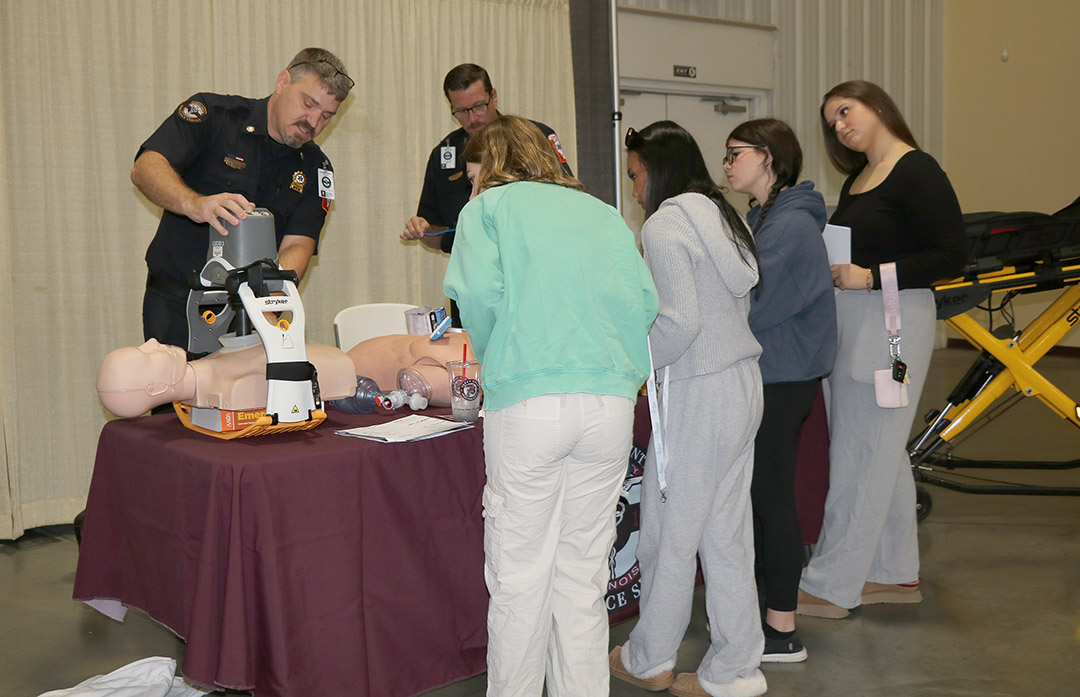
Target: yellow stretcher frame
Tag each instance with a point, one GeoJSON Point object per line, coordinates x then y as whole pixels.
{"type": "Point", "coordinates": [1004, 364]}
{"type": "Point", "coordinates": [1019, 356]}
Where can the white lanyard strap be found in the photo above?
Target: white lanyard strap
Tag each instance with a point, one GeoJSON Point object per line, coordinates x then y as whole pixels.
{"type": "Point", "coordinates": [654, 416]}
{"type": "Point", "coordinates": [891, 293]}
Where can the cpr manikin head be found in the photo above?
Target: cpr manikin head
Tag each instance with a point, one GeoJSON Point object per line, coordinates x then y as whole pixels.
{"type": "Point", "coordinates": [133, 379]}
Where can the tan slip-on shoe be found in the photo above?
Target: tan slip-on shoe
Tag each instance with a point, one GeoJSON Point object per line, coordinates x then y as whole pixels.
{"type": "Point", "coordinates": [813, 606]}
{"type": "Point", "coordinates": [688, 685]}
{"type": "Point", "coordinates": [880, 593]}
{"type": "Point", "coordinates": [656, 683]}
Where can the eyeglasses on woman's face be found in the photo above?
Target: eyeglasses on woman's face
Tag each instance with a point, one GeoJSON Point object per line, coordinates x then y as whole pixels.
{"type": "Point", "coordinates": [733, 152]}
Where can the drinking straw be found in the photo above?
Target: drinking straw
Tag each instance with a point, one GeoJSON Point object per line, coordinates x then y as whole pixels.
{"type": "Point", "coordinates": [464, 358]}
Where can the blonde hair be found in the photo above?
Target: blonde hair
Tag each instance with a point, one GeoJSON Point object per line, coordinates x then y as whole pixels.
{"type": "Point", "coordinates": [513, 149]}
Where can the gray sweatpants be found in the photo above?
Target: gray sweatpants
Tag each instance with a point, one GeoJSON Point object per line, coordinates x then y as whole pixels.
{"type": "Point", "coordinates": [869, 533]}
{"type": "Point", "coordinates": [709, 440]}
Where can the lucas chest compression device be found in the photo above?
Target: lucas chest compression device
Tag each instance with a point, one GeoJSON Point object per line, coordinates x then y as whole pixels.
{"type": "Point", "coordinates": [241, 298]}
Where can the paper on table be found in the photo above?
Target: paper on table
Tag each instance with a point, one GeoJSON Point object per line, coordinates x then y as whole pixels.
{"type": "Point", "coordinates": [838, 243]}
{"type": "Point", "coordinates": [406, 429]}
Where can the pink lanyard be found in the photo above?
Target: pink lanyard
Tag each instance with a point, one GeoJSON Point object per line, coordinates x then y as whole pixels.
{"type": "Point", "coordinates": [891, 294]}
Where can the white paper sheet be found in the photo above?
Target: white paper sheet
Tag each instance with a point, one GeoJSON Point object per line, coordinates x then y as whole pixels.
{"type": "Point", "coordinates": [405, 429]}
{"type": "Point", "coordinates": [838, 243]}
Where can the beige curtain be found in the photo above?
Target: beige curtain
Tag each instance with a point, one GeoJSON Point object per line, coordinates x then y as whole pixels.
{"type": "Point", "coordinates": [84, 83]}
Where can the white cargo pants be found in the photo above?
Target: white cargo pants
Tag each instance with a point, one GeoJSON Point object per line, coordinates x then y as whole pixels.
{"type": "Point", "coordinates": [555, 465]}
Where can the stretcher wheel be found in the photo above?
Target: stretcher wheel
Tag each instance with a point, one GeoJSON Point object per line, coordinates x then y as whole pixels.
{"type": "Point", "coordinates": [923, 503]}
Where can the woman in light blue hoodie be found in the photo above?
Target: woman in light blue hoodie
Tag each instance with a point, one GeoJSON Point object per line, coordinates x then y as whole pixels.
{"type": "Point", "coordinates": [793, 316]}
{"type": "Point", "coordinates": [695, 498]}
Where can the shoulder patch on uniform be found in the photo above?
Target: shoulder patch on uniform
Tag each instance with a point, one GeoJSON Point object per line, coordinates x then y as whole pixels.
{"type": "Point", "coordinates": [192, 110]}
{"type": "Point", "coordinates": [558, 147]}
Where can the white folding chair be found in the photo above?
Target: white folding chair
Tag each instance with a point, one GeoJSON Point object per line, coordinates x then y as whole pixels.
{"type": "Point", "coordinates": [360, 322]}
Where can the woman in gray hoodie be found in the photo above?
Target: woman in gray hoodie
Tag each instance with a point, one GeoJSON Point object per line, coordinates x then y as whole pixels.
{"type": "Point", "coordinates": [696, 489]}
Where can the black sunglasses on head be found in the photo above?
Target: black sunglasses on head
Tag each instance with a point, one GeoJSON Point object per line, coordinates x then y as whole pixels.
{"type": "Point", "coordinates": [337, 70]}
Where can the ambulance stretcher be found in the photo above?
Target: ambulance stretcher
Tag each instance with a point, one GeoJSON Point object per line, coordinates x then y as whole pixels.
{"type": "Point", "coordinates": [1009, 254]}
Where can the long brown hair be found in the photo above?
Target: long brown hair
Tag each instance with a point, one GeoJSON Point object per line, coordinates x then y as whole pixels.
{"type": "Point", "coordinates": [844, 159]}
{"type": "Point", "coordinates": [513, 149]}
{"type": "Point", "coordinates": [675, 165]}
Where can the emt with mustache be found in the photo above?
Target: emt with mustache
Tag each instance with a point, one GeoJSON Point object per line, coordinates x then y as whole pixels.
{"type": "Point", "coordinates": [216, 158]}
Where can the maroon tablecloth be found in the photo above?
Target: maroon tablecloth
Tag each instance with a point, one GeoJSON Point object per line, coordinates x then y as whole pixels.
{"type": "Point", "coordinates": [315, 564]}
{"type": "Point", "coordinates": [295, 565]}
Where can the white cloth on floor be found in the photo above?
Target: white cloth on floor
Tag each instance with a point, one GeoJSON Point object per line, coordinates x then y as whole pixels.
{"type": "Point", "coordinates": [149, 677]}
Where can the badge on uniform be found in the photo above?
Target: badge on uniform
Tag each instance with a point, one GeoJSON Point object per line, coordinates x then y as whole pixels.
{"type": "Point", "coordinates": [235, 161]}
{"type": "Point", "coordinates": [326, 183]}
{"type": "Point", "coordinates": [558, 147]}
{"type": "Point", "coordinates": [298, 180]}
{"type": "Point", "coordinates": [192, 110]}
{"type": "Point", "coordinates": [448, 157]}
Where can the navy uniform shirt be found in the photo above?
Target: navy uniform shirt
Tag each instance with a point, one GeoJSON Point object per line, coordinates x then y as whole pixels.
{"type": "Point", "coordinates": [220, 143]}
{"type": "Point", "coordinates": [446, 191]}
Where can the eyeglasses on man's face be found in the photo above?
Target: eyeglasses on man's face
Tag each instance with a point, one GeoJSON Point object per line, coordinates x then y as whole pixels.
{"type": "Point", "coordinates": [478, 109]}
{"type": "Point", "coordinates": [733, 152]}
{"type": "Point", "coordinates": [337, 71]}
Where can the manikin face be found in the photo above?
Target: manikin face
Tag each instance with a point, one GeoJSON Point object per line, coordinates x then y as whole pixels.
{"type": "Point", "coordinates": [747, 167]}
{"type": "Point", "coordinates": [473, 107]}
{"type": "Point", "coordinates": [135, 378]}
{"type": "Point", "coordinates": [472, 169]}
{"type": "Point", "coordinates": [635, 169]}
{"type": "Point", "coordinates": [299, 110]}
{"type": "Point", "coordinates": [856, 125]}
{"type": "Point", "coordinates": [156, 366]}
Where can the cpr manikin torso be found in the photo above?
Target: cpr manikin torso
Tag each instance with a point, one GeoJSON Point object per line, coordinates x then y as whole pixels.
{"type": "Point", "coordinates": [134, 379]}
{"type": "Point", "coordinates": [383, 357]}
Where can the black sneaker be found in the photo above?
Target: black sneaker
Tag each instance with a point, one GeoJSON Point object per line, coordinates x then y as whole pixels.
{"type": "Point", "coordinates": [788, 650]}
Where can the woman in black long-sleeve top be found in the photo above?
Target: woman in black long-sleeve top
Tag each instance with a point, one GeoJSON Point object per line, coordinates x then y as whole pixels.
{"type": "Point", "coordinates": [901, 208]}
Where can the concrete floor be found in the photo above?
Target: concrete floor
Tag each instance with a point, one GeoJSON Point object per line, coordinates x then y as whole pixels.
{"type": "Point", "coordinates": [1001, 581]}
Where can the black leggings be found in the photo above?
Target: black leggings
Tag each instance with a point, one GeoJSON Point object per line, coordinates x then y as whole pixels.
{"type": "Point", "coordinates": [777, 539]}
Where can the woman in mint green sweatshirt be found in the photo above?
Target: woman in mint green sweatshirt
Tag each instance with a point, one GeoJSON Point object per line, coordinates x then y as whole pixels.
{"type": "Point", "coordinates": [558, 304]}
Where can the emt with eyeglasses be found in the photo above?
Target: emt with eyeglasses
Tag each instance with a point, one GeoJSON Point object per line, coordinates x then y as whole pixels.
{"type": "Point", "coordinates": [474, 103]}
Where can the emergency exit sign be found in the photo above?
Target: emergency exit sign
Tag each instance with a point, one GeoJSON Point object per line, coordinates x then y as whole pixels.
{"type": "Point", "coordinates": [685, 71]}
